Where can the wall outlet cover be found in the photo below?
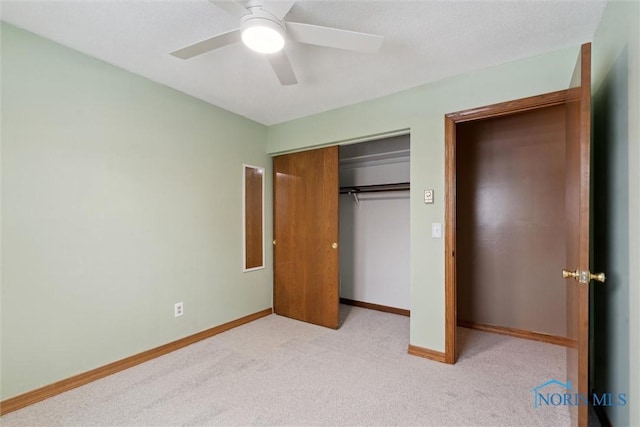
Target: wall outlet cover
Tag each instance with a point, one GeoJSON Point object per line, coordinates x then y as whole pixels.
{"type": "Point", "coordinates": [178, 309]}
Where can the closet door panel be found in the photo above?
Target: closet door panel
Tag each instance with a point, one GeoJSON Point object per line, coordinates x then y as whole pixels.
{"type": "Point", "coordinates": [306, 193]}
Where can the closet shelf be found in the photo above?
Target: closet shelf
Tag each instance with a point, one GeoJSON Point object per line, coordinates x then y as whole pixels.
{"type": "Point", "coordinates": [399, 186]}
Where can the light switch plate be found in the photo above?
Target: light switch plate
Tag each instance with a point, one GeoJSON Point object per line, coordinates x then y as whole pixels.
{"type": "Point", "coordinates": [436, 230]}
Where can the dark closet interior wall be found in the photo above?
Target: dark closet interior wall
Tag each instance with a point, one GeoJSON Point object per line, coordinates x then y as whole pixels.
{"type": "Point", "coordinates": [510, 221]}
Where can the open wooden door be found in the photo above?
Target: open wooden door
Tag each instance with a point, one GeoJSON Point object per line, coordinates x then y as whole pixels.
{"type": "Point", "coordinates": [578, 140]}
{"type": "Point", "coordinates": [306, 194]}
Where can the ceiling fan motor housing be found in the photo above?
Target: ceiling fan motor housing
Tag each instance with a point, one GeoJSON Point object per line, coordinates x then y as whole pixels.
{"type": "Point", "coordinates": [262, 31]}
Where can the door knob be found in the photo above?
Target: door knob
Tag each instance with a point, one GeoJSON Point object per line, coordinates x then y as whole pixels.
{"type": "Point", "coordinates": [334, 245]}
{"type": "Point", "coordinates": [583, 276]}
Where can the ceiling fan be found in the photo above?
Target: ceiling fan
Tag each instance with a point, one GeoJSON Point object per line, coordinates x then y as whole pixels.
{"type": "Point", "coordinates": [263, 29]}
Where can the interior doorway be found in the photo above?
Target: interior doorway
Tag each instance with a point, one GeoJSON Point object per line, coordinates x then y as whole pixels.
{"type": "Point", "coordinates": [494, 210]}
{"type": "Point", "coordinates": [577, 106]}
{"type": "Point", "coordinates": [511, 231]}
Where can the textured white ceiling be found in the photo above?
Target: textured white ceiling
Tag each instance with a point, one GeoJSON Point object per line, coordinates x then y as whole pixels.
{"type": "Point", "coordinates": [424, 41]}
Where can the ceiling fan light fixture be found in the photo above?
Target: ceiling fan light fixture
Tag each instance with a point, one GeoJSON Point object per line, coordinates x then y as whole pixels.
{"type": "Point", "coordinates": [262, 35]}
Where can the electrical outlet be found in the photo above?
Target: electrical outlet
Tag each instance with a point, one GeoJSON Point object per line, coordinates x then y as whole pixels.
{"type": "Point", "coordinates": [178, 309]}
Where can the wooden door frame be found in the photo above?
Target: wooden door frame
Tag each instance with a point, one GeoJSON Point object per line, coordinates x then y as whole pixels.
{"type": "Point", "coordinates": [450, 122]}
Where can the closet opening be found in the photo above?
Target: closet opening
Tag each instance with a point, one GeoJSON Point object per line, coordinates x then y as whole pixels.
{"type": "Point", "coordinates": [374, 234]}
{"type": "Point", "coordinates": [507, 236]}
{"type": "Point", "coordinates": [511, 228]}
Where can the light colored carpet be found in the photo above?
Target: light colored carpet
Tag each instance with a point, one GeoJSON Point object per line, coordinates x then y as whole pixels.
{"type": "Point", "coordinates": [278, 371]}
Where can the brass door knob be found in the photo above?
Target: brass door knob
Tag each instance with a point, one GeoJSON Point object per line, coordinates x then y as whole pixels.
{"type": "Point", "coordinates": [583, 276]}
{"type": "Point", "coordinates": [334, 245]}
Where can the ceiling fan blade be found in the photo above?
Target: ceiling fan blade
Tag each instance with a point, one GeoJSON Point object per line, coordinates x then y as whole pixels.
{"type": "Point", "coordinates": [279, 8]}
{"type": "Point", "coordinates": [232, 7]}
{"type": "Point", "coordinates": [333, 37]}
{"type": "Point", "coordinates": [282, 67]}
{"type": "Point", "coordinates": [208, 45]}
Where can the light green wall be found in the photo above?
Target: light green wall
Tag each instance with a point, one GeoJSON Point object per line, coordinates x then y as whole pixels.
{"type": "Point", "coordinates": [120, 197]}
{"type": "Point", "coordinates": [616, 89]}
{"type": "Point", "coordinates": [422, 111]}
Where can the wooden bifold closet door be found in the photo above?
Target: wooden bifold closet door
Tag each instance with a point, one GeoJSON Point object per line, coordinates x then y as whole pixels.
{"type": "Point", "coordinates": [306, 193]}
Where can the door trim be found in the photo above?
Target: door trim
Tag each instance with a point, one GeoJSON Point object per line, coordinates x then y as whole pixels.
{"type": "Point", "coordinates": [450, 122]}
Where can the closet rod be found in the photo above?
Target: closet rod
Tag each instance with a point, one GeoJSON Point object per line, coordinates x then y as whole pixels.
{"type": "Point", "coordinates": [400, 186]}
